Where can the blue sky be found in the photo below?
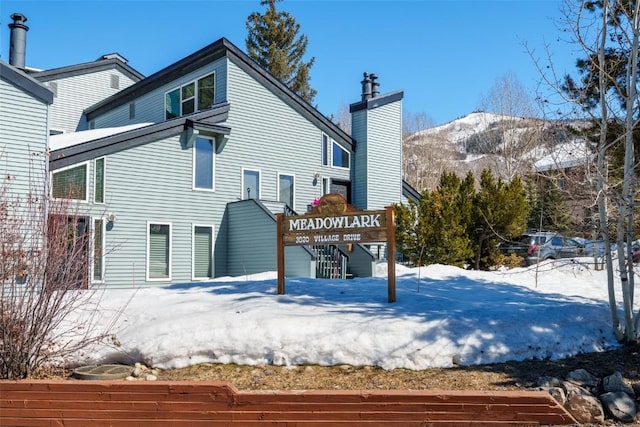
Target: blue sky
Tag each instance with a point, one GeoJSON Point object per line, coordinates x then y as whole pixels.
{"type": "Point", "coordinates": [445, 55]}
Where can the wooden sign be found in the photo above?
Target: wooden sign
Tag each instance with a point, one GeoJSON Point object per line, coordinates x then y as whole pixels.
{"type": "Point", "coordinates": [334, 222]}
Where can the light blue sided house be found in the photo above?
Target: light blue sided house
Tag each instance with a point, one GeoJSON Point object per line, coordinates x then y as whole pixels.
{"type": "Point", "coordinates": [180, 174]}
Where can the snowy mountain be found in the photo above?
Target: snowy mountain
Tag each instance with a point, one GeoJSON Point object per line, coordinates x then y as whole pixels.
{"type": "Point", "coordinates": [509, 146]}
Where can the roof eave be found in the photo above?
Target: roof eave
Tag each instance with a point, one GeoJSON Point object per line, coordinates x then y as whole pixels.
{"type": "Point", "coordinates": [26, 82]}
{"type": "Point", "coordinates": [184, 66]}
{"type": "Point", "coordinates": [84, 68]}
{"type": "Point", "coordinates": [212, 52]}
{"type": "Point", "coordinates": [378, 101]}
{"type": "Point", "coordinates": [107, 145]}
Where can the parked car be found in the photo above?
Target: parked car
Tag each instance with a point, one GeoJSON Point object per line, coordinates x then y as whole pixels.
{"type": "Point", "coordinates": [538, 246]}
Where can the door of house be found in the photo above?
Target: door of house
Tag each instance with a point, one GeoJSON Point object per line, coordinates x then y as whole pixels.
{"type": "Point", "coordinates": [341, 187]}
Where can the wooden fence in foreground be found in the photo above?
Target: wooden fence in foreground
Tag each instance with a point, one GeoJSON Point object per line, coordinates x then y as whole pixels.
{"type": "Point", "coordinates": [163, 403]}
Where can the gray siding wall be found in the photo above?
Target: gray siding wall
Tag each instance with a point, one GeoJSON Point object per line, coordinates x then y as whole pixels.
{"type": "Point", "coordinates": [23, 141]}
{"type": "Point", "coordinates": [252, 245]}
{"type": "Point", "coordinates": [378, 164]}
{"type": "Point", "coordinates": [359, 174]}
{"type": "Point", "coordinates": [76, 93]}
{"type": "Point", "coordinates": [384, 156]}
{"type": "Point", "coordinates": [150, 107]}
{"type": "Point", "coordinates": [270, 136]}
{"type": "Point", "coordinates": [153, 183]}
{"type": "Point", "coordinates": [361, 262]}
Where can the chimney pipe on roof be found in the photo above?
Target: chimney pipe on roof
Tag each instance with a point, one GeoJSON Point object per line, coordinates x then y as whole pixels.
{"type": "Point", "coordinates": [375, 86]}
{"type": "Point", "coordinates": [18, 40]}
{"type": "Point", "coordinates": [366, 87]}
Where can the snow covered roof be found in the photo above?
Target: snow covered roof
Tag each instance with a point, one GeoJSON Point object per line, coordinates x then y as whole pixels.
{"type": "Point", "coordinates": [565, 156]}
{"type": "Point", "coordinates": [65, 140]}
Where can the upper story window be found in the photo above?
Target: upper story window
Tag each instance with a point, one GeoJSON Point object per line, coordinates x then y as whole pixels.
{"type": "Point", "coordinates": [250, 184]}
{"type": "Point", "coordinates": [98, 180]}
{"type": "Point", "coordinates": [333, 154]}
{"type": "Point", "coordinates": [340, 156]}
{"type": "Point", "coordinates": [190, 97]}
{"type": "Point", "coordinates": [70, 183]}
{"type": "Point", "coordinates": [286, 189]}
{"type": "Point", "coordinates": [203, 164]}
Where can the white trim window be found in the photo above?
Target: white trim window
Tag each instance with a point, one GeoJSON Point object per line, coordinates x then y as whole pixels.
{"type": "Point", "coordinates": [334, 154]}
{"type": "Point", "coordinates": [159, 251]}
{"type": "Point", "coordinates": [98, 243]}
{"type": "Point", "coordinates": [99, 173]}
{"type": "Point", "coordinates": [286, 189]}
{"type": "Point", "coordinates": [203, 164]}
{"type": "Point", "coordinates": [326, 149]}
{"type": "Point", "coordinates": [202, 252]}
{"type": "Point", "coordinates": [71, 183]}
{"type": "Point", "coordinates": [326, 186]}
{"type": "Point", "coordinates": [197, 95]}
{"type": "Point", "coordinates": [251, 183]}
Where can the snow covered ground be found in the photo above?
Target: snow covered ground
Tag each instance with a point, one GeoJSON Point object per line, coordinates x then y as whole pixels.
{"type": "Point", "coordinates": [443, 316]}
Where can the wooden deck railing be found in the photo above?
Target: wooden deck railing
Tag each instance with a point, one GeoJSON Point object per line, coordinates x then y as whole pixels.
{"type": "Point", "coordinates": [145, 404]}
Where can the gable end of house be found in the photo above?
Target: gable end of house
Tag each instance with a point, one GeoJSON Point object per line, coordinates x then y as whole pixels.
{"type": "Point", "coordinates": [25, 82]}
{"type": "Point", "coordinates": [106, 64]}
{"type": "Point", "coordinates": [206, 55]}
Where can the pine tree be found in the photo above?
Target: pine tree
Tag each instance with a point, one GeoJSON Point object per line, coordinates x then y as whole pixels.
{"type": "Point", "coordinates": [274, 42]}
{"type": "Point", "coordinates": [548, 210]}
{"type": "Point", "coordinates": [499, 210]}
{"type": "Point", "coordinates": [448, 240]}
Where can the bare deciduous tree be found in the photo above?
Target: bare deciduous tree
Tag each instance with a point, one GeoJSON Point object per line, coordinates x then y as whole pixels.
{"type": "Point", "coordinates": [343, 118]}
{"type": "Point", "coordinates": [513, 137]}
{"type": "Point", "coordinates": [44, 273]}
{"type": "Point", "coordinates": [415, 122]}
{"type": "Point", "coordinates": [608, 33]}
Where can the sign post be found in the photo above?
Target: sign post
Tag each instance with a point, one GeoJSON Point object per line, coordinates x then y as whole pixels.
{"type": "Point", "coordinates": [280, 220]}
{"type": "Point", "coordinates": [334, 222]}
{"type": "Point", "coordinates": [391, 253]}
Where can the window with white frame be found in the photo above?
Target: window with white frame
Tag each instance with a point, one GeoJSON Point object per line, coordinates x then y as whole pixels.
{"type": "Point", "coordinates": [326, 148]}
{"type": "Point", "coordinates": [70, 183]}
{"type": "Point", "coordinates": [202, 251]}
{"type": "Point", "coordinates": [340, 156]}
{"type": "Point", "coordinates": [98, 249]}
{"type": "Point", "coordinates": [286, 189]}
{"type": "Point", "coordinates": [325, 186]}
{"type": "Point", "coordinates": [250, 184]}
{"type": "Point", "coordinates": [203, 164]}
{"type": "Point", "coordinates": [98, 180]}
{"type": "Point", "coordinates": [194, 96]}
{"type": "Point", "coordinates": [333, 154]}
{"type": "Point", "coordinates": [158, 251]}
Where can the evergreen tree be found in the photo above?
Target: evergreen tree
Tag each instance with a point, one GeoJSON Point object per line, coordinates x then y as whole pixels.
{"type": "Point", "coordinates": [455, 225]}
{"type": "Point", "coordinates": [411, 223]}
{"type": "Point", "coordinates": [466, 196]}
{"type": "Point", "coordinates": [447, 239]}
{"type": "Point", "coordinates": [274, 43]}
{"type": "Point", "coordinates": [499, 210]}
{"type": "Point", "coordinates": [548, 210]}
